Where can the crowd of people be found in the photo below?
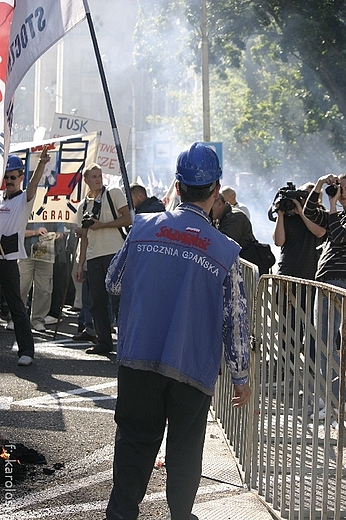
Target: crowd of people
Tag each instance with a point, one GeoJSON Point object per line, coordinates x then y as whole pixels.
{"type": "Point", "coordinates": [170, 282]}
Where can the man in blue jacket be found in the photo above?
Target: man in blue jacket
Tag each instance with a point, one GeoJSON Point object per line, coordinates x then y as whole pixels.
{"type": "Point", "coordinates": [182, 297]}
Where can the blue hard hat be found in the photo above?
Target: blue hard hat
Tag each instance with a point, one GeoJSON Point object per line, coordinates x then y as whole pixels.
{"type": "Point", "coordinates": [198, 165]}
{"type": "Point", "coordinates": [14, 163]}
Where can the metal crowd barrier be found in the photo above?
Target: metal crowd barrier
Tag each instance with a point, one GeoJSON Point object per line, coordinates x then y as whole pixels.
{"type": "Point", "coordinates": [237, 423]}
{"type": "Point", "coordinates": [290, 447]}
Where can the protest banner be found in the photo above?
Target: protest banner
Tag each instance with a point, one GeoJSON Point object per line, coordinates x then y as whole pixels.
{"type": "Point", "coordinates": [61, 187]}
{"type": "Point", "coordinates": [107, 158]}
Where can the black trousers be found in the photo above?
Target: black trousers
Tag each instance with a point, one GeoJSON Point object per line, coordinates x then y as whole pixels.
{"type": "Point", "coordinates": [97, 270]}
{"type": "Point", "coordinates": [146, 400]}
{"type": "Point", "coordinates": [59, 287]}
{"type": "Point", "coordinates": [9, 281]}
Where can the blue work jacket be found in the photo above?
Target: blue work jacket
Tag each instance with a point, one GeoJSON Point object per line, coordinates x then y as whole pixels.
{"type": "Point", "coordinates": [182, 294]}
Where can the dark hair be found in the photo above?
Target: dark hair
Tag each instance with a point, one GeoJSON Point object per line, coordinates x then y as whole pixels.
{"type": "Point", "coordinates": [138, 188]}
{"type": "Point", "coordinates": [196, 193]}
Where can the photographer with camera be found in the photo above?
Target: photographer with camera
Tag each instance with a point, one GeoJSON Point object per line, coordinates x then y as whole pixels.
{"type": "Point", "coordinates": [297, 236]}
{"type": "Point", "coordinates": [332, 262]}
{"type": "Point", "coordinates": [299, 239]}
{"type": "Point", "coordinates": [101, 216]}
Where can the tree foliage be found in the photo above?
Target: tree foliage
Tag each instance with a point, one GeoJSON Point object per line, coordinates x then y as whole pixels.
{"type": "Point", "coordinates": [288, 58]}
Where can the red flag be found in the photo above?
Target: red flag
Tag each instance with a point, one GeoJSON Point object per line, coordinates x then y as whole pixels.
{"type": "Point", "coordinates": [6, 12]}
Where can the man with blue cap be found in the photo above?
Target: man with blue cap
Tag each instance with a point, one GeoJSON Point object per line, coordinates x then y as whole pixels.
{"type": "Point", "coordinates": [182, 298]}
{"type": "Point", "coordinates": [15, 208]}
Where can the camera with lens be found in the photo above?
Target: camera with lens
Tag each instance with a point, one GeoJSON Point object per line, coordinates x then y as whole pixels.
{"type": "Point", "coordinates": [331, 190]}
{"type": "Point", "coordinates": [284, 200]}
{"type": "Point", "coordinates": [87, 219]}
{"type": "Point", "coordinates": [287, 195]}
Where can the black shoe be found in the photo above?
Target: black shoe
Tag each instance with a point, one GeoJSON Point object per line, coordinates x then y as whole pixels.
{"type": "Point", "coordinates": [75, 309]}
{"type": "Point", "coordinates": [84, 336]}
{"type": "Point", "coordinates": [97, 350]}
{"type": "Point", "coordinates": [80, 328]}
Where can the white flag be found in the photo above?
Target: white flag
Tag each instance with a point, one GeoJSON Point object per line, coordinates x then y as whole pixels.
{"type": "Point", "coordinates": [36, 26]}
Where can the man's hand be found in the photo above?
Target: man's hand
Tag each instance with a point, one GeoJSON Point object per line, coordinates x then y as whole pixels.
{"type": "Point", "coordinates": [298, 209]}
{"type": "Point", "coordinates": [330, 178]}
{"type": "Point", "coordinates": [42, 231]}
{"type": "Point", "coordinates": [44, 156]}
{"type": "Point", "coordinates": [39, 170]}
{"type": "Point", "coordinates": [242, 395]}
{"type": "Point", "coordinates": [96, 225]}
{"type": "Point", "coordinates": [79, 274]}
{"type": "Point", "coordinates": [78, 232]}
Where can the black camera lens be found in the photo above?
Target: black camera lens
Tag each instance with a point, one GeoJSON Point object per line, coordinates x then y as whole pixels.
{"type": "Point", "coordinates": [87, 223]}
{"type": "Point", "coordinates": [331, 190]}
{"type": "Point", "coordinates": [286, 205]}
{"type": "Point", "coordinates": [87, 220]}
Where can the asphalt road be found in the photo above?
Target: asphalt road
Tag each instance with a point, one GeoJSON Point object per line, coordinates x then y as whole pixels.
{"type": "Point", "coordinates": [63, 407]}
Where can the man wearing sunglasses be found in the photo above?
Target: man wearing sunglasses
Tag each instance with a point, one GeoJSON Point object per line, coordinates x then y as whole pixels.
{"type": "Point", "coordinates": [15, 208]}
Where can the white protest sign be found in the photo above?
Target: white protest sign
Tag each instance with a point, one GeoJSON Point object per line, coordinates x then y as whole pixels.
{"type": "Point", "coordinates": [61, 186]}
{"type": "Point", "coordinates": [107, 158]}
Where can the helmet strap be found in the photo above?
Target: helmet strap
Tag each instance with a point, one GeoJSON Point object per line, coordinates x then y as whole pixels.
{"type": "Point", "coordinates": [188, 189]}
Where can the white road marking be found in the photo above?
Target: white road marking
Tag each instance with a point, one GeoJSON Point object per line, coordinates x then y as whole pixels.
{"type": "Point", "coordinates": [92, 506]}
{"type": "Point", "coordinates": [56, 491]}
{"type": "Point", "coordinates": [77, 399]}
{"type": "Point", "coordinates": [61, 400]}
{"type": "Point", "coordinates": [59, 348]}
{"type": "Point", "coordinates": [75, 408]}
{"type": "Point", "coordinates": [50, 398]}
{"type": "Point", "coordinates": [5, 403]}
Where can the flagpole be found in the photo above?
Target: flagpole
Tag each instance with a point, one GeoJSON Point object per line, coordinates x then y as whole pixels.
{"type": "Point", "coordinates": [110, 111]}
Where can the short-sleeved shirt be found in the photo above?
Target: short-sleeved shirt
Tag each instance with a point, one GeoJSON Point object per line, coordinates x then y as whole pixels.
{"type": "Point", "coordinates": [14, 215]}
{"type": "Point", "coordinates": [103, 241]}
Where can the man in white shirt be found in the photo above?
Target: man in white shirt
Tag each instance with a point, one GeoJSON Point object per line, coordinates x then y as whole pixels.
{"type": "Point", "coordinates": [101, 216]}
{"type": "Point", "coordinates": [230, 196]}
{"type": "Point", "coordinates": [15, 208]}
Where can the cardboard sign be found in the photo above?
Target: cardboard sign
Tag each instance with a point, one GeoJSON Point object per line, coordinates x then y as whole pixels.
{"type": "Point", "coordinates": [107, 158]}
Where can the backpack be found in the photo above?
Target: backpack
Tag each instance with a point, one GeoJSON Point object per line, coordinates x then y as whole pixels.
{"type": "Point", "coordinates": [260, 255]}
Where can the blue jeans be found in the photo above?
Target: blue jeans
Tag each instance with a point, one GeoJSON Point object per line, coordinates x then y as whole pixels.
{"type": "Point", "coordinates": [336, 336]}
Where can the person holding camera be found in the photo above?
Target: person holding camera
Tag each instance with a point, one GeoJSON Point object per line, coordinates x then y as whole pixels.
{"type": "Point", "coordinates": [297, 236]}
{"type": "Point", "coordinates": [299, 239]}
{"type": "Point", "coordinates": [332, 262]}
{"type": "Point", "coordinates": [101, 215]}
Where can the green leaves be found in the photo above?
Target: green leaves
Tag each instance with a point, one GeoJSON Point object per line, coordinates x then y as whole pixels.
{"type": "Point", "coordinates": [277, 76]}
